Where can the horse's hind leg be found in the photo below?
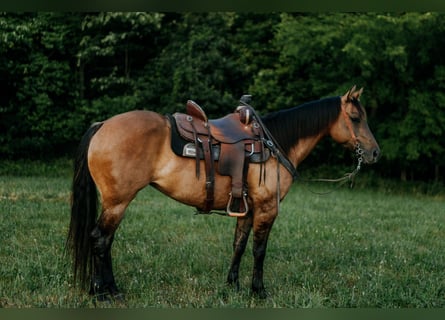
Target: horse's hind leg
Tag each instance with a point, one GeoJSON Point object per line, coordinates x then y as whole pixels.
{"type": "Point", "coordinates": [102, 281]}
{"type": "Point", "coordinates": [242, 231]}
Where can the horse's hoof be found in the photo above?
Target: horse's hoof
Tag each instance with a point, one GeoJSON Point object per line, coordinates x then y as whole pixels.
{"type": "Point", "coordinates": [234, 284]}
{"type": "Point", "coordinates": [119, 297]}
{"type": "Point", "coordinates": [102, 298]}
{"type": "Point", "coordinates": [261, 294]}
{"type": "Point", "coordinates": [109, 298]}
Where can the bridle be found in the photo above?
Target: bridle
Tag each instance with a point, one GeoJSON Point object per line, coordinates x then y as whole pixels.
{"type": "Point", "coordinates": [349, 125]}
{"type": "Point", "coordinates": [358, 153]}
{"type": "Point", "coordinates": [358, 149]}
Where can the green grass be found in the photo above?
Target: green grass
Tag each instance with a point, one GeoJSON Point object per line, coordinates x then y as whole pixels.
{"type": "Point", "coordinates": [366, 247]}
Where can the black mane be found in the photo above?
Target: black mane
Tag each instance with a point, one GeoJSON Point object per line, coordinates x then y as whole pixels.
{"type": "Point", "coordinates": [289, 125]}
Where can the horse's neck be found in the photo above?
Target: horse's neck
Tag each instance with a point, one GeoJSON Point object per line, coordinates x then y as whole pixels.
{"type": "Point", "coordinates": [303, 148]}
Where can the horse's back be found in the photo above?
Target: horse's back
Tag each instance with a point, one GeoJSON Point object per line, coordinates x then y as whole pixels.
{"type": "Point", "coordinates": [129, 131]}
{"type": "Point", "coordinates": [131, 121]}
{"type": "Point", "coordinates": [123, 152]}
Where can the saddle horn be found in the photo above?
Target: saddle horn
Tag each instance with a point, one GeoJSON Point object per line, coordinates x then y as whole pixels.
{"type": "Point", "coordinates": [245, 99]}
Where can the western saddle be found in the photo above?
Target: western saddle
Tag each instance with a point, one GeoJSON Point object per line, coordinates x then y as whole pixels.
{"type": "Point", "coordinates": [226, 145]}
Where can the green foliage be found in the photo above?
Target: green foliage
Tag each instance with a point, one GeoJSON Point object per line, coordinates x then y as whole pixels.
{"type": "Point", "coordinates": [62, 71]}
{"type": "Point", "coordinates": [396, 56]}
{"type": "Point", "coordinates": [39, 96]}
{"type": "Point", "coordinates": [198, 63]}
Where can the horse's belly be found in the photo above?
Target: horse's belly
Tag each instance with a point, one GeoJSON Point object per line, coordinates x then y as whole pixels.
{"type": "Point", "coordinates": [178, 180]}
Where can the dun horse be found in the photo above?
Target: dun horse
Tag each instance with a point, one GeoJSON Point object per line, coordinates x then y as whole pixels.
{"type": "Point", "coordinates": [121, 155]}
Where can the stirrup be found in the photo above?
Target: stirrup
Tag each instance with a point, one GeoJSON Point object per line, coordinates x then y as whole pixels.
{"type": "Point", "coordinates": [237, 214]}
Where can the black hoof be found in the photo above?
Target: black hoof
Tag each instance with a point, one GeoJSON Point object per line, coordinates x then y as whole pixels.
{"type": "Point", "coordinates": [118, 297]}
{"type": "Point", "coordinates": [109, 298]}
{"type": "Point", "coordinates": [106, 293]}
{"type": "Point", "coordinates": [234, 284]}
{"type": "Point", "coordinates": [261, 293]}
{"type": "Point", "coordinates": [102, 298]}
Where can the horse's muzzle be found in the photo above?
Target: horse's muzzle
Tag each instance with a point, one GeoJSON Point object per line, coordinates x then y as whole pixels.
{"type": "Point", "coordinates": [371, 156]}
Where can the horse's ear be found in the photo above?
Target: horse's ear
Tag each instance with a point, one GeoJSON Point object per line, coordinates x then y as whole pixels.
{"type": "Point", "coordinates": [348, 95]}
{"type": "Point", "coordinates": [357, 94]}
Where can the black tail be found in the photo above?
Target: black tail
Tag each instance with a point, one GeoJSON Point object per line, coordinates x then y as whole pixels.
{"type": "Point", "coordinates": [83, 211]}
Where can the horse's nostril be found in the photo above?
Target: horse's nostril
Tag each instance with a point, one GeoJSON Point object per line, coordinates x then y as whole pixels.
{"type": "Point", "coordinates": [376, 154]}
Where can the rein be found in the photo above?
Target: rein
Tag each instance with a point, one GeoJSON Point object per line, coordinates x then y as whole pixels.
{"type": "Point", "coordinates": [346, 177]}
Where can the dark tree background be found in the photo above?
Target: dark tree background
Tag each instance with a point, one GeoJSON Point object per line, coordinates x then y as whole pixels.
{"type": "Point", "coordinates": [59, 72]}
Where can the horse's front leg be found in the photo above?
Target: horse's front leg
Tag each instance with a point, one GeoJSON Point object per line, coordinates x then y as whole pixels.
{"type": "Point", "coordinates": [242, 231]}
{"type": "Point", "coordinates": [261, 230]}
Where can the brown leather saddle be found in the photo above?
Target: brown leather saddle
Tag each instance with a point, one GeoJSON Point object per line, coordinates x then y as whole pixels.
{"type": "Point", "coordinates": [226, 145]}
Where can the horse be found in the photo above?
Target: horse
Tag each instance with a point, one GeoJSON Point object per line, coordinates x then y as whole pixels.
{"type": "Point", "coordinates": [127, 152]}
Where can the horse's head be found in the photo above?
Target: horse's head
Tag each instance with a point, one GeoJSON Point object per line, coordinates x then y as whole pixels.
{"type": "Point", "coordinates": [351, 128]}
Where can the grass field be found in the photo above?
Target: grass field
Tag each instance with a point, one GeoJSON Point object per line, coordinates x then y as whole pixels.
{"type": "Point", "coordinates": [366, 247]}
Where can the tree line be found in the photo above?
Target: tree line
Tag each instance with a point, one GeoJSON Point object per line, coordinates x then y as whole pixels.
{"type": "Point", "coordinates": [59, 72]}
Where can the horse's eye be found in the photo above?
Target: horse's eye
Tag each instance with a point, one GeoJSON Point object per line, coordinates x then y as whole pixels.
{"type": "Point", "coordinates": [355, 119]}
